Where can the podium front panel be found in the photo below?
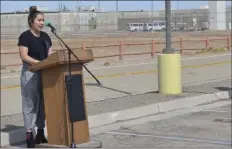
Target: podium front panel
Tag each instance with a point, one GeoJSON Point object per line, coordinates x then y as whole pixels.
{"type": "Point", "coordinates": [57, 109]}
{"type": "Point", "coordinates": [76, 103]}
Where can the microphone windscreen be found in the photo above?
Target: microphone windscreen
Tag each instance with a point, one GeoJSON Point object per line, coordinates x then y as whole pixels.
{"type": "Point", "coordinates": [47, 23]}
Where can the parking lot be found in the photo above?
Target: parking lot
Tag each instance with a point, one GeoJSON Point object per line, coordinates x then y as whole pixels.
{"type": "Point", "coordinates": [206, 126]}
{"type": "Point", "coordinates": [200, 128]}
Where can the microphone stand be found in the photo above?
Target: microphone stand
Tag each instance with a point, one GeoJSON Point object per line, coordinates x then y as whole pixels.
{"type": "Point", "coordinates": [71, 52]}
{"type": "Point", "coordinates": [69, 80]}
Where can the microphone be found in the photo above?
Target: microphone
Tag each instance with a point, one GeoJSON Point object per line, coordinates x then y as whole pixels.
{"type": "Point", "coordinates": [48, 24]}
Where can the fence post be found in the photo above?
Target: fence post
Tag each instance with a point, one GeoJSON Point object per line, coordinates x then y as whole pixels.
{"type": "Point", "coordinates": [120, 50]}
{"type": "Point", "coordinates": [153, 48]}
{"type": "Point", "coordinates": [181, 46]}
{"type": "Point", "coordinates": [82, 46]}
{"type": "Point", "coordinates": [206, 42]}
{"type": "Point", "coordinates": [228, 43]}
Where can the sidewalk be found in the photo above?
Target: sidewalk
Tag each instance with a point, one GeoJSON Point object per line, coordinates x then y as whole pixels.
{"type": "Point", "coordinates": [129, 107]}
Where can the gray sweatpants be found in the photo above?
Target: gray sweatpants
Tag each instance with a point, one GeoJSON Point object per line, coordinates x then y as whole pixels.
{"type": "Point", "coordinates": [32, 99]}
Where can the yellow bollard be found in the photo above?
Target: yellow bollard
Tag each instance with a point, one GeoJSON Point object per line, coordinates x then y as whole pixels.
{"type": "Point", "coordinates": [169, 73]}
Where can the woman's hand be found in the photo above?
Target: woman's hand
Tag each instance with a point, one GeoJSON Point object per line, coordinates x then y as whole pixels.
{"type": "Point", "coordinates": [36, 61]}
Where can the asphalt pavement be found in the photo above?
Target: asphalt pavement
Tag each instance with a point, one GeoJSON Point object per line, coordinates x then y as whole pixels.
{"type": "Point", "coordinates": [129, 66]}
{"type": "Point", "coordinates": [207, 126]}
{"type": "Point", "coordinates": [201, 128]}
{"type": "Point", "coordinates": [121, 80]}
{"type": "Point", "coordinates": [15, 121]}
{"type": "Point", "coordinates": [131, 84]}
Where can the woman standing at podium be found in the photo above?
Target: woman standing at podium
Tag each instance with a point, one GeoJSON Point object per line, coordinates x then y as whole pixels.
{"type": "Point", "coordinates": [34, 46]}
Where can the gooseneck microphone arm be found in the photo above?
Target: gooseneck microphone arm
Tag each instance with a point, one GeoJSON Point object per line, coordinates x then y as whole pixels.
{"type": "Point", "coordinates": [70, 51]}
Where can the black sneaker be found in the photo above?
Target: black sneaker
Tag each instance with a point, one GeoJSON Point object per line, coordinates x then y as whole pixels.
{"type": "Point", "coordinates": [30, 140]}
{"type": "Point", "coordinates": [40, 137]}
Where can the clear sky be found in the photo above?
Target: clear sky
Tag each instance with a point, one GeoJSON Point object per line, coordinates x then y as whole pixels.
{"type": "Point", "coordinates": [9, 6]}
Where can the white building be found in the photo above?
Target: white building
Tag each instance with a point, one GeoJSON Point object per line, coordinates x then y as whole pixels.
{"type": "Point", "coordinates": [38, 8]}
{"type": "Point", "coordinates": [217, 17]}
{"type": "Point", "coordinates": [204, 7]}
{"type": "Point", "coordinates": [88, 9]}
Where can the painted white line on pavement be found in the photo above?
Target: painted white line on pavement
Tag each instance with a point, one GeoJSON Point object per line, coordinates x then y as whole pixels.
{"type": "Point", "coordinates": [5, 77]}
{"type": "Point", "coordinates": [220, 111]}
{"type": "Point", "coordinates": [204, 82]}
{"type": "Point", "coordinates": [118, 66]}
{"type": "Point", "coordinates": [177, 138]}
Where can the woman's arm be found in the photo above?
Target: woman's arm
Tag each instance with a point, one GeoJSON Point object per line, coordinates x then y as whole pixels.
{"type": "Point", "coordinates": [23, 49]}
{"type": "Point", "coordinates": [50, 46]}
{"type": "Point", "coordinates": [25, 57]}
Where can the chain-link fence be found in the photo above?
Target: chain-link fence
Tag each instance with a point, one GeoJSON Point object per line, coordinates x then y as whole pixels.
{"type": "Point", "coordinates": [106, 22]}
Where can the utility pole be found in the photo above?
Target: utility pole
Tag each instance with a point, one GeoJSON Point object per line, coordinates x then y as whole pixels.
{"type": "Point", "coordinates": [99, 4]}
{"type": "Point", "coordinates": [151, 18]}
{"type": "Point", "coordinates": [169, 62]}
{"type": "Point", "coordinates": [168, 48]}
{"type": "Point", "coordinates": [116, 5]}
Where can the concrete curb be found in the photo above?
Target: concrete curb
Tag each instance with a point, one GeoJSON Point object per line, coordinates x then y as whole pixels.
{"type": "Point", "coordinates": [18, 136]}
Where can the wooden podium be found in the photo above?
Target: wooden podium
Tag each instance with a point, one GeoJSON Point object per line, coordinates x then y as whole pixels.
{"type": "Point", "coordinates": [54, 70]}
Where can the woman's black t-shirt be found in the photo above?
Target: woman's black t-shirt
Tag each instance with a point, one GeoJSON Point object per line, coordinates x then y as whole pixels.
{"type": "Point", "coordinates": [37, 46]}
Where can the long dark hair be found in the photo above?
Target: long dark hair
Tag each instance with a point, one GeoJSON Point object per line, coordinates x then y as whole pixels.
{"type": "Point", "coordinates": [33, 14]}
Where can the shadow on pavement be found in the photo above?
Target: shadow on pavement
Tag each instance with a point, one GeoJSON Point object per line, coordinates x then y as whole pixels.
{"type": "Point", "coordinates": [225, 89]}
{"type": "Point", "coordinates": [12, 137]}
{"type": "Point", "coordinates": [8, 128]}
{"type": "Point", "coordinates": [102, 86]}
